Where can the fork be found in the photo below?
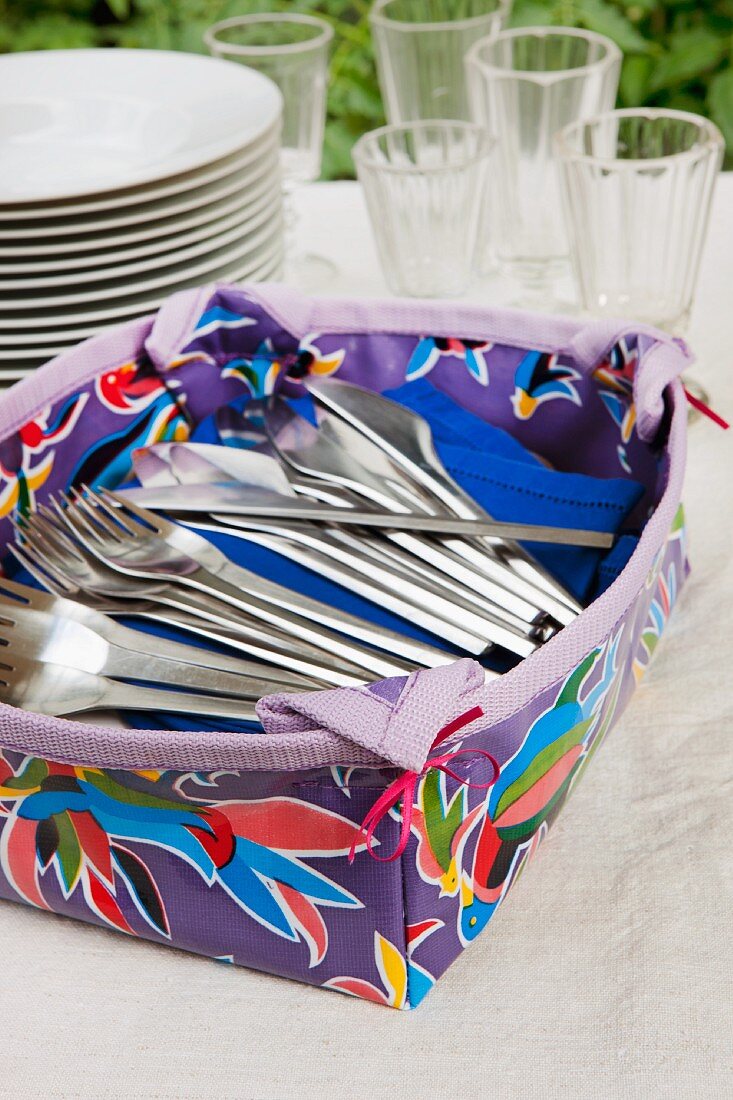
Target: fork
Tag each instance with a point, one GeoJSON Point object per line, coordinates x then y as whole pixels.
{"type": "Point", "coordinates": [135, 541]}
{"type": "Point", "coordinates": [393, 578]}
{"type": "Point", "coordinates": [52, 689]}
{"type": "Point", "coordinates": [63, 632]}
{"type": "Point", "coordinates": [65, 570]}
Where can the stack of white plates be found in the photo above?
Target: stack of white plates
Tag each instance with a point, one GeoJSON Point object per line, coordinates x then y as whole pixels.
{"type": "Point", "coordinates": [126, 175]}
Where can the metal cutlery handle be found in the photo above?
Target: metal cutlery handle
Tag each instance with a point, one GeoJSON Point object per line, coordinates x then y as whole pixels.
{"type": "Point", "coordinates": [298, 609]}
{"type": "Point", "coordinates": [118, 697]}
{"type": "Point", "coordinates": [294, 612]}
{"type": "Point", "coordinates": [429, 609]}
{"type": "Point", "coordinates": [245, 633]}
{"type": "Point", "coordinates": [188, 657]}
{"type": "Point", "coordinates": [123, 664]}
{"type": "Point", "coordinates": [335, 674]}
{"type": "Point", "coordinates": [254, 503]}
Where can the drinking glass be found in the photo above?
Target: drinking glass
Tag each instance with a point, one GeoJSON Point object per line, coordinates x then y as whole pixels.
{"type": "Point", "coordinates": [420, 47]}
{"type": "Point", "coordinates": [524, 85]}
{"type": "Point", "coordinates": [292, 49]}
{"type": "Point", "coordinates": [424, 185]}
{"type": "Point", "coordinates": [637, 187]}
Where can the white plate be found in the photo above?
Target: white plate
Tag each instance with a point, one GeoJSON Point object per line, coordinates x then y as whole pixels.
{"type": "Point", "coordinates": [236, 182]}
{"type": "Point", "coordinates": [94, 320]}
{"type": "Point", "coordinates": [84, 249]}
{"type": "Point", "coordinates": [98, 261]}
{"type": "Point", "coordinates": [76, 122]}
{"type": "Point", "coordinates": [169, 275]}
{"type": "Point", "coordinates": [115, 200]}
{"type": "Point", "coordinates": [245, 228]}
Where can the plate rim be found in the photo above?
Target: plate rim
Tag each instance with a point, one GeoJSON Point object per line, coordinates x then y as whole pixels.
{"type": "Point", "coordinates": [157, 246]}
{"type": "Point", "coordinates": [224, 166]}
{"type": "Point", "coordinates": [232, 204]}
{"type": "Point", "coordinates": [127, 312]}
{"type": "Point", "coordinates": [267, 214]}
{"type": "Point", "coordinates": [224, 188]}
{"type": "Point", "coordinates": [244, 73]}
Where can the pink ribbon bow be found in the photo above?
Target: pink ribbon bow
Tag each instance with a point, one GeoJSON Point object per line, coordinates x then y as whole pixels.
{"type": "Point", "coordinates": [403, 788]}
{"type": "Point", "coordinates": [701, 407]}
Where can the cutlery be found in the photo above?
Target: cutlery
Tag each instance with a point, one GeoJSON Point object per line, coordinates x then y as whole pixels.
{"type": "Point", "coordinates": [406, 438]}
{"type": "Point", "coordinates": [392, 578]}
{"type": "Point", "coordinates": [388, 579]}
{"type": "Point", "coordinates": [478, 555]}
{"type": "Point", "coordinates": [63, 632]}
{"type": "Point", "coordinates": [62, 567]}
{"type": "Point", "coordinates": [397, 592]}
{"type": "Point", "coordinates": [232, 425]}
{"type": "Point", "coordinates": [252, 502]}
{"type": "Point", "coordinates": [56, 690]}
{"type": "Point", "coordinates": [318, 452]}
{"type": "Point", "coordinates": [145, 545]}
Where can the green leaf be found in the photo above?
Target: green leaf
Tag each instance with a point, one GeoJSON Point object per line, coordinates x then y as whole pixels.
{"type": "Point", "coordinates": [119, 8]}
{"type": "Point", "coordinates": [604, 18]}
{"type": "Point", "coordinates": [31, 777]}
{"type": "Point", "coordinates": [691, 54]}
{"type": "Point", "coordinates": [635, 80]}
{"type": "Point", "coordinates": [720, 100]}
{"type": "Point", "coordinates": [68, 851]}
{"type": "Point", "coordinates": [530, 13]}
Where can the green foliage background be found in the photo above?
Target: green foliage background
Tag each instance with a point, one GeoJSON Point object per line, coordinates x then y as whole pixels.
{"type": "Point", "coordinates": [679, 53]}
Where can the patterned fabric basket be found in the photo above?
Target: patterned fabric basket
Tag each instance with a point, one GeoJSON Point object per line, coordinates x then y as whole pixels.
{"type": "Point", "coordinates": [237, 846]}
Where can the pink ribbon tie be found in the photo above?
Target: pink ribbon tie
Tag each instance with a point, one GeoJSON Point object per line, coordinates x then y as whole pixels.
{"type": "Point", "coordinates": [701, 407]}
{"type": "Point", "coordinates": [403, 789]}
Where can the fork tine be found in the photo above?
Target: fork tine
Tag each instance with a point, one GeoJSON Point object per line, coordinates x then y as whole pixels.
{"type": "Point", "coordinates": [81, 526]}
{"type": "Point", "coordinates": [149, 519]}
{"type": "Point", "coordinates": [110, 517]}
{"type": "Point", "coordinates": [19, 592]}
{"type": "Point", "coordinates": [46, 575]}
{"type": "Point", "coordinates": [79, 510]}
{"type": "Point", "coordinates": [114, 528]}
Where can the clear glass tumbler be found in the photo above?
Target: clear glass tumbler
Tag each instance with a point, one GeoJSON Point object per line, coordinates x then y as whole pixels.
{"type": "Point", "coordinates": [420, 47]}
{"type": "Point", "coordinates": [424, 185]}
{"type": "Point", "coordinates": [292, 49]}
{"type": "Point", "coordinates": [524, 86]}
{"type": "Point", "coordinates": [637, 187]}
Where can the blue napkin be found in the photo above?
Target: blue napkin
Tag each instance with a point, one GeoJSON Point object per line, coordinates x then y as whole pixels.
{"type": "Point", "coordinates": [501, 475]}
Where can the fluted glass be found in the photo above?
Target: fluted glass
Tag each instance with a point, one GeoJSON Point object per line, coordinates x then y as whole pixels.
{"type": "Point", "coordinates": [292, 49]}
{"type": "Point", "coordinates": [424, 185]}
{"type": "Point", "coordinates": [420, 47]}
{"type": "Point", "coordinates": [525, 85]}
{"type": "Point", "coordinates": [637, 187]}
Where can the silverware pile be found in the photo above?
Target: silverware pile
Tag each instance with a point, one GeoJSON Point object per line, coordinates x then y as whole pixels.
{"type": "Point", "coordinates": [285, 484]}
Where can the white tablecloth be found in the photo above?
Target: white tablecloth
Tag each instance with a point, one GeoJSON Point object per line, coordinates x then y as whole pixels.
{"type": "Point", "coordinates": [606, 974]}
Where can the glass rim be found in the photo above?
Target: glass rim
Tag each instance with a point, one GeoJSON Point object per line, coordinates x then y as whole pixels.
{"type": "Point", "coordinates": [473, 56]}
{"type": "Point", "coordinates": [377, 16]}
{"type": "Point", "coordinates": [711, 138]}
{"type": "Point", "coordinates": [325, 35]}
{"type": "Point", "coordinates": [361, 156]}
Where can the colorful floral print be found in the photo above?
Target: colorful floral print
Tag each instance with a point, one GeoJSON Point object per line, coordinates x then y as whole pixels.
{"type": "Point", "coordinates": [261, 371]}
{"type": "Point", "coordinates": [90, 831]}
{"type": "Point", "coordinates": [615, 378]}
{"type": "Point", "coordinates": [542, 377]}
{"type": "Point", "coordinates": [38, 439]}
{"type": "Point", "coordinates": [431, 350]}
{"type": "Point", "coordinates": [150, 414]}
